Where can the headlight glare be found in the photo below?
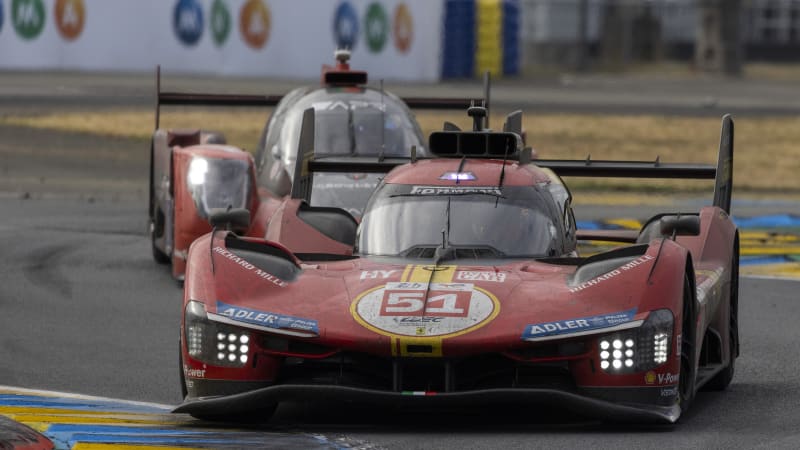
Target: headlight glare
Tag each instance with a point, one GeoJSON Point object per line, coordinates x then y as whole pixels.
{"type": "Point", "coordinates": [218, 183]}
{"type": "Point", "coordinates": [198, 169]}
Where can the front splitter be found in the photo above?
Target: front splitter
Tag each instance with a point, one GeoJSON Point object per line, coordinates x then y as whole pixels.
{"type": "Point", "coordinates": [576, 403]}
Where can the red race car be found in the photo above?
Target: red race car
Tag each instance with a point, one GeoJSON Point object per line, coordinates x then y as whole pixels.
{"type": "Point", "coordinates": [193, 171]}
{"type": "Point", "coordinates": [462, 286]}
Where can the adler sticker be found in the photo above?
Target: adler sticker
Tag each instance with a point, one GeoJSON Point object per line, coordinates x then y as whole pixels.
{"type": "Point", "coordinates": [416, 309]}
{"type": "Point", "coordinates": [266, 319]}
{"type": "Point", "coordinates": [578, 324]}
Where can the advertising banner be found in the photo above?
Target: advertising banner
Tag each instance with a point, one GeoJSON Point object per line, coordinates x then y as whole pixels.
{"type": "Point", "coordinates": [392, 39]}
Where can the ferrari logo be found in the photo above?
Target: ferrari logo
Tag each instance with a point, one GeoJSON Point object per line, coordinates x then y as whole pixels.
{"type": "Point", "coordinates": [420, 331]}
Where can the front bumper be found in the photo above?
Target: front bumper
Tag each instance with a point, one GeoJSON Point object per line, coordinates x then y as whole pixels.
{"type": "Point", "coordinates": [569, 401]}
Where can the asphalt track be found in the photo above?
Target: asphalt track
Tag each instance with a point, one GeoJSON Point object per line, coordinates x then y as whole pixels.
{"type": "Point", "coordinates": [86, 310]}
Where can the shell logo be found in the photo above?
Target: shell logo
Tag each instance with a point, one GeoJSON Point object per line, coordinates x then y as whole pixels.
{"type": "Point", "coordinates": [70, 18]}
{"type": "Point", "coordinates": [403, 29]}
{"type": "Point", "coordinates": [254, 23]}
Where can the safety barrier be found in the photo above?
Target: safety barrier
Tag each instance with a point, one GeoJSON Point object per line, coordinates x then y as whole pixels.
{"type": "Point", "coordinates": [479, 36]}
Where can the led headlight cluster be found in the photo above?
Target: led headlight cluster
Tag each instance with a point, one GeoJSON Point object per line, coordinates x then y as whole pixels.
{"type": "Point", "coordinates": [214, 343]}
{"type": "Point", "coordinates": [616, 353]}
{"type": "Point", "coordinates": [638, 349]}
{"type": "Point", "coordinates": [232, 347]}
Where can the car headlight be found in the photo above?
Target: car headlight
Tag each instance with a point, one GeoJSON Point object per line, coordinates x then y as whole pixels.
{"type": "Point", "coordinates": [214, 343]}
{"type": "Point", "coordinates": [638, 349]}
{"type": "Point", "coordinates": [218, 183]}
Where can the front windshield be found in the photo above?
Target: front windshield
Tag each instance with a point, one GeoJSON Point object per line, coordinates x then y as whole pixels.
{"type": "Point", "coordinates": [478, 222]}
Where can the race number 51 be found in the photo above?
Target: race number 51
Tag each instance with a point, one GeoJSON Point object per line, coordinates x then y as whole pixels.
{"type": "Point", "coordinates": [437, 303]}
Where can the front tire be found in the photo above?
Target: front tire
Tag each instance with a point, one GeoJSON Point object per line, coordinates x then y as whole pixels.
{"type": "Point", "coordinates": [184, 390]}
{"type": "Point", "coordinates": [688, 378]}
{"type": "Point", "coordinates": [159, 256]}
{"type": "Point", "coordinates": [722, 379]}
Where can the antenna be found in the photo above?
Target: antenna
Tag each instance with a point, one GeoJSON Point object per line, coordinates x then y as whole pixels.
{"type": "Point", "coordinates": [445, 251]}
{"type": "Point", "coordinates": [383, 125]}
{"type": "Point", "coordinates": [158, 94]}
{"type": "Point", "coordinates": [461, 168]}
{"type": "Point", "coordinates": [211, 249]}
{"type": "Point", "coordinates": [503, 169]}
{"type": "Point", "coordinates": [447, 236]}
{"type": "Point", "coordinates": [487, 87]}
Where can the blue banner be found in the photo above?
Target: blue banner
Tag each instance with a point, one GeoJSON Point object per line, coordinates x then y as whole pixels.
{"type": "Point", "coordinates": [266, 319]}
{"type": "Point", "coordinates": [577, 325]}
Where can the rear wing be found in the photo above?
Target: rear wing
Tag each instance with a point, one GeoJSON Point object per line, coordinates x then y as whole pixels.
{"type": "Point", "coordinates": [254, 100]}
{"type": "Point", "coordinates": [722, 173]}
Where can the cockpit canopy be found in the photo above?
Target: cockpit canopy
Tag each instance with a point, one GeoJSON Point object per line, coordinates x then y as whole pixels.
{"type": "Point", "coordinates": [477, 222]}
{"type": "Point", "coordinates": [348, 121]}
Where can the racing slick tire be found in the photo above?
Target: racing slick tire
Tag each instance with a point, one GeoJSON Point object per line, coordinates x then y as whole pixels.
{"type": "Point", "coordinates": [159, 256]}
{"type": "Point", "coordinates": [688, 373]}
{"type": "Point", "coordinates": [721, 380]}
{"type": "Point", "coordinates": [184, 390]}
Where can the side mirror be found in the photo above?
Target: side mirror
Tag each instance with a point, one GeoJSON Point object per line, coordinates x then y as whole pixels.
{"type": "Point", "coordinates": [680, 225]}
{"type": "Point", "coordinates": [236, 220]}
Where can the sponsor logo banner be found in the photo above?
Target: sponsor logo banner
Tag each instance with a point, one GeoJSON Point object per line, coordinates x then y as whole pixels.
{"type": "Point", "coordinates": [661, 378]}
{"type": "Point", "coordinates": [266, 319]}
{"type": "Point", "coordinates": [70, 17]}
{"type": "Point", "coordinates": [376, 25]}
{"type": "Point", "coordinates": [187, 21]}
{"type": "Point", "coordinates": [454, 190]}
{"type": "Point", "coordinates": [220, 22]}
{"type": "Point", "coordinates": [255, 23]}
{"type": "Point", "coordinates": [345, 26]}
{"type": "Point", "coordinates": [472, 275]}
{"type": "Point", "coordinates": [28, 18]}
{"type": "Point", "coordinates": [578, 325]}
{"type": "Point", "coordinates": [223, 37]}
{"type": "Point", "coordinates": [403, 29]}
